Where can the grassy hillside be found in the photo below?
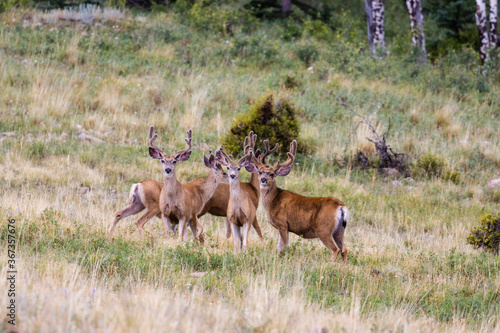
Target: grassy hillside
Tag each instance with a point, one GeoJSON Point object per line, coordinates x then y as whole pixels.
{"type": "Point", "coordinates": [76, 102]}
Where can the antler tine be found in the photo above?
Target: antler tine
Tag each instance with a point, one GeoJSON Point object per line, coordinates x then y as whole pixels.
{"type": "Point", "coordinates": [249, 143]}
{"type": "Point", "coordinates": [188, 140]}
{"type": "Point", "coordinates": [268, 152]}
{"type": "Point", "coordinates": [291, 155]}
{"type": "Point", "coordinates": [152, 138]}
{"type": "Point", "coordinates": [228, 157]}
{"type": "Point", "coordinates": [244, 158]}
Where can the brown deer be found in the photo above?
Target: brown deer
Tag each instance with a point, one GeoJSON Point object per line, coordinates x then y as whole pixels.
{"type": "Point", "coordinates": [325, 218]}
{"type": "Point", "coordinates": [146, 195]}
{"type": "Point", "coordinates": [143, 195]}
{"type": "Point", "coordinates": [217, 205]}
{"type": "Point", "coordinates": [180, 203]}
{"type": "Point", "coordinates": [241, 211]}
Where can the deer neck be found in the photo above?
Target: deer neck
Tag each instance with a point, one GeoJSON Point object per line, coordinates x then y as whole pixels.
{"type": "Point", "coordinates": [268, 195]}
{"type": "Point", "coordinates": [172, 185]}
{"type": "Point", "coordinates": [208, 186]}
{"type": "Point", "coordinates": [235, 191]}
{"type": "Point", "coordinates": [254, 181]}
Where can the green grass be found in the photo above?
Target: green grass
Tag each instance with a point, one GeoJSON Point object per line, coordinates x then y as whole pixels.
{"type": "Point", "coordinates": [408, 260]}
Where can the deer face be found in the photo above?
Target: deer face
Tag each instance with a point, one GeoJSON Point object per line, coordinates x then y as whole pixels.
{"type": "Point", "coordinates": [168, 162]}
{"type": "Point", "coordinates": [233, 169]}
{"type": "Point", "coordinates": [267, 174]}
{"type": "Point", "coordinates": [211, 163]}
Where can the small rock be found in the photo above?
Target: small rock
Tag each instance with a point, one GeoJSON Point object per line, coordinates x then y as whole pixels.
{"type": "Point", "coordinates": [198, 274]}
{"type": "Point", "coordinates": [409, 179]}
{"type": "Point", "coordinates": [84, 189]}
{"type": "Point", "coordinates": [78, 127]}
{"type": "Point", "coordinates": [494, 183]}
{"type": "Point", "coordinates": [389, 171]}
{"type": "Point", "coordinates": [396, 183]}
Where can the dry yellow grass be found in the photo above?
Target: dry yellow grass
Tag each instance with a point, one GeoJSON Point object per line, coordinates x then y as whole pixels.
{"type": "Point", "coordinates": [409, 269]}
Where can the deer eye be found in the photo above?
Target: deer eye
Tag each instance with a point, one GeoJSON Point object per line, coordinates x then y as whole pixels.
{"type": "Point", "coordinates": [260, 172]}
{"type": "Point", "coordinates": [239, 169]}
{"type": "Point", "coordinates": [271, 174]}
{"type": "Point", "coordinates": [224, 174]}
{"type": "Point", "coordinates": [162, 161]}
{"type": "Point", "coordinates": [174, 162]}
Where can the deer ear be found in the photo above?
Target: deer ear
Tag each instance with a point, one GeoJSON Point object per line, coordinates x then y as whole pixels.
{"type": "Point", "coordinates": [220, 158]}
{"type": "Point", "coordinates": [212, 161]}
{"type": "Point", "coordinates": [207, 162]}
{"type": "Point", "coordinates": [184, 156]}
{"type": "Point", "coordinates": [154, 153]}
{"type": "Point", "coordinates": [283, 171]}
{"type": "Point", "coordinates": [251, 168]}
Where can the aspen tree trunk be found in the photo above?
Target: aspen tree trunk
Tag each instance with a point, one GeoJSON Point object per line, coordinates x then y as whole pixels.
{"type": "Point", "coordinates": [286, 7]}
{"type": "Point", "coordinates": [369, 23]}
{"type": "Point", "coordinates": [417, 24]}
{"type": "Point", "coordinates": [493, 23]}
{"type": "Point", "coordinates": [483, 31]}
{"type": "Point", "coordinates": [378, 15]}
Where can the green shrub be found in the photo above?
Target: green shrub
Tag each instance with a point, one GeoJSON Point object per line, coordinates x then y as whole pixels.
{"type": "Point", "coordinates": [452, 176]}
{"type": "Point", "coordinates": [429, 165]}
{"type": "Point", "coordinates": [307, 53]}
{"type": "Point", "coordinates": [291, 82]}
{"type": "Point", "coordinates": [276, 122]}
{"type": "Point", "coordinates": [487, 235]}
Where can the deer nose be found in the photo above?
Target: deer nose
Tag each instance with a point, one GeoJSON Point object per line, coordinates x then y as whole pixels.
{"type": "Point", "coordinates": [168, 170]}
{"type": "Point", "coordinates": [232, 176]}
{"type": "Point", "coordinates": [263, 180]}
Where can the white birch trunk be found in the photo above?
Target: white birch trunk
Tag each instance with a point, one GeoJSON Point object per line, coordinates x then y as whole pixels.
{"type": "Point", "coordinates": [417, 24]}
{"type": "Point", "coordinates": [483, 31]}
{"type": "Point", "coordinates": [493, 23]}
{"type": "Point", "coordinates": [369, 23]}
{"type": "Point", "coordinates": [378, 15]}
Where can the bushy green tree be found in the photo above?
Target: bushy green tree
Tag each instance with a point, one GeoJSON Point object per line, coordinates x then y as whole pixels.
{"type": "Point", "coordinates": [275, 122]}
{"type": "Point", "coordinates": [487, 235]}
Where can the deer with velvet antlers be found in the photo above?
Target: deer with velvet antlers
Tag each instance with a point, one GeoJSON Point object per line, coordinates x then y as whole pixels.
{"type": "Point", "coordinates": [146, 195]}
{"type": "Point", "coordinates": [325, 218]}
{"type": "Point", "coordinates": [241, 211]}
{"type": "Point", "coordinates": [180, 203]}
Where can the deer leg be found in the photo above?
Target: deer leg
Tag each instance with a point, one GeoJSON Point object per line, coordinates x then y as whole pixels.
{"type": "Point", "coordinates": [132, 209]}
{"type": "Point", "coordinates": [246, 230]}
{"type": "Point", "coordinates": [148, 215]}
{"type": "Point", "coordinates": [338, 236]}
{"type": "Point", "coordinates": [182, 228]}
{"type": "Point", "coordinates": [236, 237]}
{"type": "Point", "coordinates": [228, 228]}
{"type": "Point", "coordinates": [199, 231]}
{"type": "Point", "coordinates": [166, 225]}
{"type": "Point", "coordinates": [327, 239]}
{"type": "Point", "coordinates": [283, 239]}
{"type": "Point", "coordinates": [257, 227]}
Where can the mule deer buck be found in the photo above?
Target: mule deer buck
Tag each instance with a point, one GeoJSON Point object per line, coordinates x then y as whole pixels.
{"type": "Point", "coordinates": [146, 195]}
{"type": "Point", "coordinates": [180, 203]}
{"type": "Point", "coordinates": [325, 218]}
{"type": "Point", "coordinates": [217, 205]}
{"type": "Point", "coordinates": [241, 211]}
